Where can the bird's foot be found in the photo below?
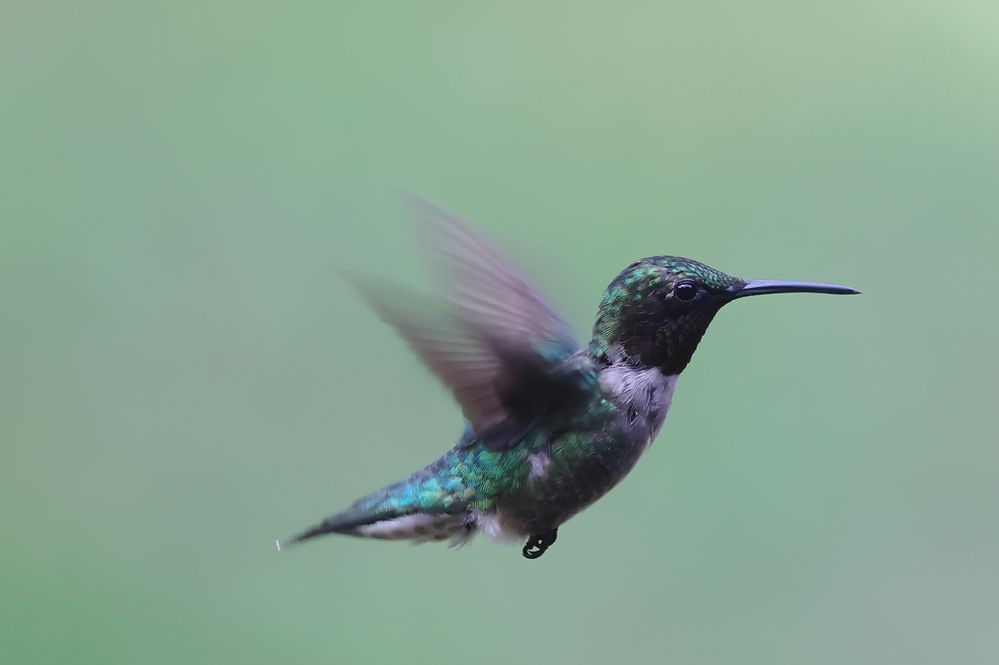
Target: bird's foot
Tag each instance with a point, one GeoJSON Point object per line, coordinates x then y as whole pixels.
{"type": "Point", "coordinates": [536, 545]}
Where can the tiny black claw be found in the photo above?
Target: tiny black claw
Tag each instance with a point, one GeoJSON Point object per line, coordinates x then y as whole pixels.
{"type": "Point", "coordinates": [537, 545]}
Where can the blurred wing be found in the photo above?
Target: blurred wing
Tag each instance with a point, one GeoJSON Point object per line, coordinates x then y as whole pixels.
{"type": "Point", "coordinates": [484, 288]}
{"type": "Point", "coordinates": [507, 357]}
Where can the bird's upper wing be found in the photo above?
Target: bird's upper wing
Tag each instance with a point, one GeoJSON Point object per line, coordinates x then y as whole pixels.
{"type": "Point", "coordinates": [507, 357]}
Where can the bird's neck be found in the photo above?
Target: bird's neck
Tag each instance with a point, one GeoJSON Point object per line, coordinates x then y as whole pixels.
{"type": "Point", "coordinates": [667, 349]}
{"type": "Point", "coordinates": [643, 339]}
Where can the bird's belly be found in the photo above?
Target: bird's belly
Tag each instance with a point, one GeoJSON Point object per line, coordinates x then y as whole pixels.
{"type": "Point", "coordinates": [560, 484]}
{"type": "Point", "coordinates": [579, 467]}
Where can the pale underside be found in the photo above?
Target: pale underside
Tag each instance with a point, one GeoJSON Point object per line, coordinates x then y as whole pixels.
{"type": "Point", "coordinates": [644, 395]}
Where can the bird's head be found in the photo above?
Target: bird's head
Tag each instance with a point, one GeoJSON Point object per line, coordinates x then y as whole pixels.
{"type": "Point", "coordinates": [655, 312]}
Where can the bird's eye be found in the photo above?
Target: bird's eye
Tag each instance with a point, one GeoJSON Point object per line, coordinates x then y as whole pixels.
{"type": "Point", "coordinates": [685, 291]}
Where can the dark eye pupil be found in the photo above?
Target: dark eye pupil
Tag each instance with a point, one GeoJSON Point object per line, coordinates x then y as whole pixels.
{"type": "Point", "coordinates": [686, 291]}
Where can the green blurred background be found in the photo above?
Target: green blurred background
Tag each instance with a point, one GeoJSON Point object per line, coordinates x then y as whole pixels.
{"type": "Point", "coordinates": [184, 377]}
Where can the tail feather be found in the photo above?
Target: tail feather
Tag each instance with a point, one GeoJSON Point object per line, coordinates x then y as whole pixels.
{"type": "Point", "coordinates": [415, 509]}
{"type": "Point", "coordinates": [346, 522]}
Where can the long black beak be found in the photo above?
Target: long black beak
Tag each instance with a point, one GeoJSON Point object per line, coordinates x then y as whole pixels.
{"type": "Point", "coordinates": [759, 287]}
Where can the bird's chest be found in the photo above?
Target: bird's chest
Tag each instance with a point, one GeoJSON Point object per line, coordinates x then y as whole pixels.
{"type": "Point", "coordinates": [642, 396]}
{"type": "Point", "coordinates": [585, 462]}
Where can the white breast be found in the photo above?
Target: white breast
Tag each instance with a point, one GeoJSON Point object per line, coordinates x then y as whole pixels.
{"type": "Point", "coordinates": [644, 395]}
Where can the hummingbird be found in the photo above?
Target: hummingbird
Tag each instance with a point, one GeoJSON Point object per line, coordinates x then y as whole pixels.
{"type": "Point", "coordinates": [550, 425]}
